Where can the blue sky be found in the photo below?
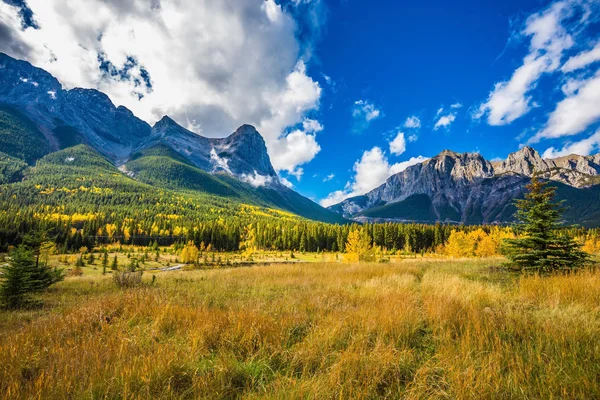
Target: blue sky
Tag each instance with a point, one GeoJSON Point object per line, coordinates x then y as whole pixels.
{"type": "Point", "coordinates": [411, 59]}
{"type": "Point", "coordinates": [345, 92]}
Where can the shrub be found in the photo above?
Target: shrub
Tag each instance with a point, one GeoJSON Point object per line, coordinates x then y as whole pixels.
{"type": "Point", "coordinates": [128, 280]}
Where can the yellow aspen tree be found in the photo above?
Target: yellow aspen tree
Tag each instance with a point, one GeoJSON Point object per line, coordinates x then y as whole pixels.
{"type": "Point", "coordinates": [358, 246]}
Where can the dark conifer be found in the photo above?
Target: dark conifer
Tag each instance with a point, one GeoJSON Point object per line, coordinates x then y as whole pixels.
{"type": "Point", "coordinates": [540, 246]}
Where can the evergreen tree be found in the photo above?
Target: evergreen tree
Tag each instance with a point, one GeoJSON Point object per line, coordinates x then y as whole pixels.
{"type": "Point", "coordinates": [104, 262]}
{"type": "Point", "coordinates": [115, 264]}
{"type": "Point", "coordinates": [15, 287]}
{"type": "Point", "coordinates": [24, 276]}
{"type": "Point", "coordinates": [541, 247]}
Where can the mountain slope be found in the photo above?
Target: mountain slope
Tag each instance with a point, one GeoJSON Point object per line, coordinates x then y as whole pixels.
{"type": "Point", "coordinates": [19, 137]}
{"type": "Point", "coordinates": [170, 173]}
{"type": "Point", "coordinates": [68, 117]}
{"type": "Point", "coordinates": [38, 117]}
{"type": "Point", "coordinates": [466, 188]}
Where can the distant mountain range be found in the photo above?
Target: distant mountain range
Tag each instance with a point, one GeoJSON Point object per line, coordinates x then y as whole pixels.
{"type": "Point", "coordinates": [466, 188]}
{"type": "Point", "coordinates": [39, 117]}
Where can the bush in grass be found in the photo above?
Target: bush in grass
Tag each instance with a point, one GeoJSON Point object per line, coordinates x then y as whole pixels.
{"type": "Point", "coordinates": [126, 280]}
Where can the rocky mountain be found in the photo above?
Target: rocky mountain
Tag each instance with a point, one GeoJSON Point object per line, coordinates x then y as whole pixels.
{"type": "Point", "coordinates": [242, 154]}
{"type": "Point", "coordinates": [69, 117]}
{"type": "Point", "coordinates": [38, 116]}
{"type": "Point", "coordinates": [467, 188]}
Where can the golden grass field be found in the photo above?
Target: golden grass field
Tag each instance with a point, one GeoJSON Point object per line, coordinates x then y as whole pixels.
{"type": "Point", "coordinates": [415, 329]}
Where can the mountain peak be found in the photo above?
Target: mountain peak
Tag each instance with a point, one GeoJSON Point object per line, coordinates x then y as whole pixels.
{"type": "Point", "coordinates": [165, 121]}
{"type": "Point", "coordinates": [447, 152]}
{"type": "Point", "coordinates": [246, 130]}
{"type": "Point", "coordinates": [526, 151]}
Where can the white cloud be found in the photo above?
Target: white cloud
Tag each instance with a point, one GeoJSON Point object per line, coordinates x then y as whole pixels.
{"type": "Point", "coordinates": [219, 162]}
{"type": "Point", "coordinates": [334, 198]}
{"type": "Point", "coordinates": [328, 177]}
{"type": "Point", "coordinates": [370, 171]}
{"type": "Point", "coordinates": [439, 111]}
{"type": "Point", "coordinates": [363, 112]}
{"type": "Point", "coordinates": [413, 138]}
{"type": "Point", "coordinates": [576, 112]}
{"type": "Point", "coordinates": [456, 105]}
{"type": "Point", "coordinates": [571, 86]}
{"type": "Point", "coordinates": [511, 99]}
{"type": "Point", "coordinates": [312, 126]}
{"type": "Point", "coordinates": [286, 182]}
{"type": "Point", "coordinates": [401, 166]}
{"type": "Point", "coordinates": [297, 172]}
{"type": "Point", "coordinates": [582, 60]}
{"type": "Point", "coordinates": [412, 122]}
{"type": "Point", "coordinates": [256, 179]}
{"type": "Point", "coordinates": [297, 148]}
{"type": "Point", "coordinates": [212, 66]}
{"type": "Point", "coordinates": [584, 147]}
{"type": "Point", "coordinates": [398, 145]}
{"type": "Point", "coordinates": [444, 121]}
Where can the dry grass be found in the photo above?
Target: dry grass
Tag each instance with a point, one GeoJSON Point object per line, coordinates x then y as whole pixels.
{"type": "Point", "coordinates": [416, 329]}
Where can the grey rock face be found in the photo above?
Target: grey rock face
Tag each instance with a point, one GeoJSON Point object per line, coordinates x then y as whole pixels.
{"type": "Point", "coordinates": [471, 187]}
{"type": "Point", "coordinates": [242, 154]}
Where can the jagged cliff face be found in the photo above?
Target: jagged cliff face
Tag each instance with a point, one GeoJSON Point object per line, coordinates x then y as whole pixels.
{"type": "Point", "coordinates": [242, 154]}
{"type": "Point", "coordinates": [69, 117]}
{"type": "Point", "coordinates": [467, 188]}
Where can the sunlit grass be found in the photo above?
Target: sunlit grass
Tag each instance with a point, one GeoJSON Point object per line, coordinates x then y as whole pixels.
{"type": "Point", "coordinates": [416, 329]}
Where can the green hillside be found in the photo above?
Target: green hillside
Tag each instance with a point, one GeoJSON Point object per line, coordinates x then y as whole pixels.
{"type": "Point", "coordinates": [285, 199]}
{"type": "Point", "coordinates": [159, 150]}
{"type": "Point", "coordinates": [163, 171]}
{"type": "Point", "coordinates": [79, 197]}
{"type": "Point", "coordinates": [11, 169]}
{"type": "Point", "coordinates": [414, 208]}
{"type": "Point", "coordinates": [161, 167]}
{"type": "Point", "coordinates": [19, 137]}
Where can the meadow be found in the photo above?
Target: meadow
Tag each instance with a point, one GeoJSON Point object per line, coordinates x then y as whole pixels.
{"type": "Point", "coordinates": [420, 328]}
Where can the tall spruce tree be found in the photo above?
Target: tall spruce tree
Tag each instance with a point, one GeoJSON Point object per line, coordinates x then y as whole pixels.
{"type": "Point", "coordinates": [540, 246]}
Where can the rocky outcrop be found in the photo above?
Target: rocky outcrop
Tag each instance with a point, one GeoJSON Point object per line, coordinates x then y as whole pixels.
{"type": "Point", "coordinates": [467, 188]}
{"type": "Point", "coordinates": [242, 154]}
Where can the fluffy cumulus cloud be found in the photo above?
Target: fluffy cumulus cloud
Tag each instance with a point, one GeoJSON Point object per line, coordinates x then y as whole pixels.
{"type": "Point", "coordinates": [412, 122]}
{"type": "Point", "coordinates": [549, 39]}
{"type": "Point", "coordinates": [583, 147]}
{"type": "Point", "coordinates": [363, 112]}
{"type": "Point", "coordinates": [444, 121]}
{"type": "Point", "coordinates": [370, 171]}
{"type": "Point", "coordinates": [211, 65]}
{"type": "Point", "coordinates": [398, 145]}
